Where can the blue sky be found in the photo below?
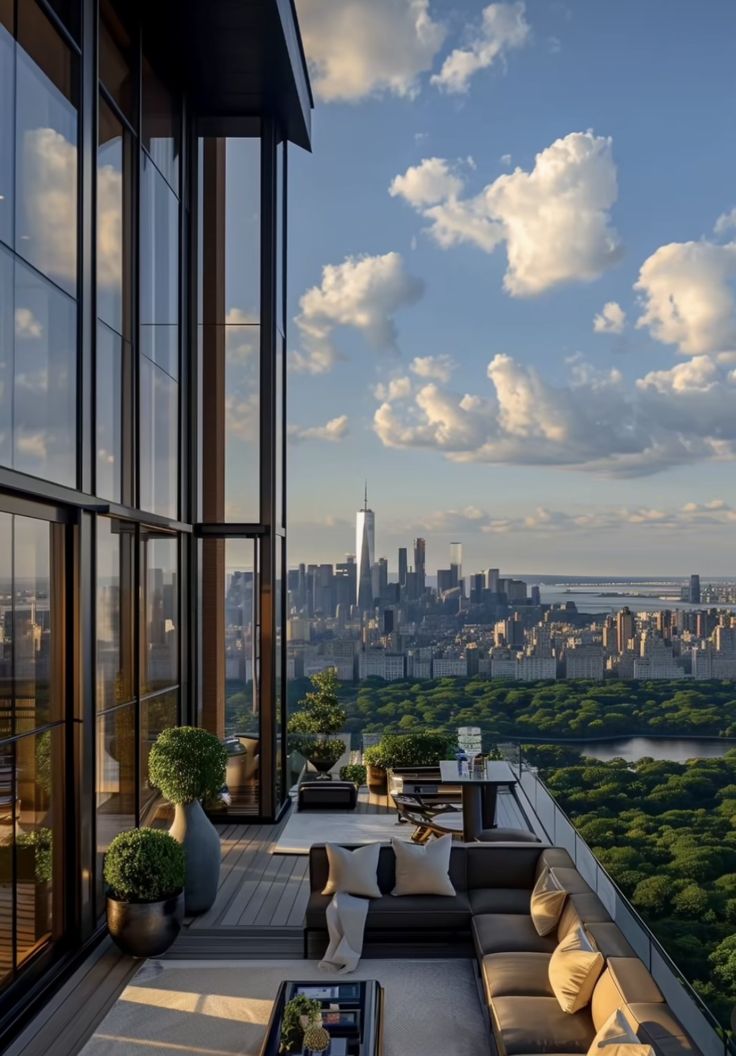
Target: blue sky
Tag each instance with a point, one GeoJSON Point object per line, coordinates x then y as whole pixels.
{"type": "Point", "coordinates": [584, 451]}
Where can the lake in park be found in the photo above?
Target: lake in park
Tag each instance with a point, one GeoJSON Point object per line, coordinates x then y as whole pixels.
{"type": "Point", "coordinates": [676, 748]}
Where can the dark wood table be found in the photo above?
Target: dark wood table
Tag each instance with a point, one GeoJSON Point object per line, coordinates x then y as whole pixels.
{"type": "Point", "coordinates": [352, 1012]}
{"type": "Point", "coordinates": [479, 794]}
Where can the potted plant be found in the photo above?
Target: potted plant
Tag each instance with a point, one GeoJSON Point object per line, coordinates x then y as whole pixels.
{"type": "Point", "coordinates": [144, 872]}
{"type": "Point", "coordinates": [354, 772]}
{"type": "Point", "coordinates": [34, 865]}
{"type": "Point", "coordinates": [321, 716]}
{"type": "Point", "coordinates": [376, 766]}
{"type": "Point", "coordinates": [299, 1014]}
{"type": "Point", "coordinates": [316, 1039]}
{"type": "Point", "coordinates": [396, 750]}
{"type": "Point", "coordinates": [188, 765]}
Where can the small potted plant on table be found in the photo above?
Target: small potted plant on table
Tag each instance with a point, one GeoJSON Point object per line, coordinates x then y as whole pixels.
{"type": "Point", "coordinates": [187, 765]}
{"type": "Point", "coordinates": [144, 873]}
{"type": "Point", "coordinates": [300, 1014]}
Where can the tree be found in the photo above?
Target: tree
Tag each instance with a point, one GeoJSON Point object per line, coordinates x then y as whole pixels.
{"type": "Point", "coordinates": [652, 895]}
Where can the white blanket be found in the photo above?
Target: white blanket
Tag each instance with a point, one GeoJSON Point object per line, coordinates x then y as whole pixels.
{"type": "Point", "coordinates": [345, 926]}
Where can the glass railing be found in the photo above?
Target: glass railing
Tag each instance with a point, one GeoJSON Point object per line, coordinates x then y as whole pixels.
{"type": "Point", "coordinates": [705, 1030]}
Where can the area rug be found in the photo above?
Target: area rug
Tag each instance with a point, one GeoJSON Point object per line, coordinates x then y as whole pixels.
{"type": "Point", "coordinates": [305, 828]}
{"type": "Point", "coordinates": [221, 1008]}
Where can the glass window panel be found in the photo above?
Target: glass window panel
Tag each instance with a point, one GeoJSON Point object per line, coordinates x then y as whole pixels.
{"type": "Point", "coordinates": [242, 423]}
{"type": "Point", "coordinates": [46, 150]}
{"type": "Point", "coordinates": [69, 13]}
{"type": "Point", "coordinates": [115, 59]}
{"type": "Point", "coordinates": [242, 231]}
{"type": "Point", "coordinates": [115, 541]}
{"type": "Point", "coordinates": [39, 841]}
{"type": "Point", "coordinates": [7, 15]}
{"type": "Point", "coordinates": [7, 156]}
{"type": "Point", "coordinates": [7, 815]}
{"type": "Point", "coordinates": [35, 703]}
{"type": "Point", "coordinates": [159, 424]}
{"type": "Point", "coordinates": [160, 583]}
{"type": "Point", "coordinates": [112, 355]}
{"type": "Point", "coordinates": [113, 230]}
{"type": "Point", "coordinates": [45, 379]}
{"type": "Point", "coordinates": [279, 427]}
{"type": "Point", "coordinates": [280, 235]}
{"type": "Point", "coordinates": [6, 626]}
{"type": "Point", "coordinates": [6, 358]}
{"type": "Point", "coordinates": [161, 125]}
{"type": "Point", "coordinates": [280, 684]}
{"type": "Point", "coordinates": [159, 269]}
{"type": "Point", "coordinates": [157, 714]}
{"type": "Point", "coordinates": [160, 343]}
{"type": "Point", "coordinates": [116, 781]}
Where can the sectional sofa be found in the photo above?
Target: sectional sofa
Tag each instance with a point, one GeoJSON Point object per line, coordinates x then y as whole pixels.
{"type": "Point", "coordinates": [490, 915]}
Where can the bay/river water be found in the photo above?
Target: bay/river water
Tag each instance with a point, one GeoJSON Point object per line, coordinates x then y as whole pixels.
{"type": "Point", "coordinates": [676, 748]}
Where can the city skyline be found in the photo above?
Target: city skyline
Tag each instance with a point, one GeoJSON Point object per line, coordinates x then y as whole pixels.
{"type": "Point", "coordinates": [576, 405]}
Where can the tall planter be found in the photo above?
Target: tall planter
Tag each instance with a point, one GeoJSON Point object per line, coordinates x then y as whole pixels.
{"type": "Point", "coordinates": [198, 836]}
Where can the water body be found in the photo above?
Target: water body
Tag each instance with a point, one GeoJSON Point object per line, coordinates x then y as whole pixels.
{"type": "Point", "coordinates": [613, 597]}
{"type": "Point", "coordinates": [678, 749]}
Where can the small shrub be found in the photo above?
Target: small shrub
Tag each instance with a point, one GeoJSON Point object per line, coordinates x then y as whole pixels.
{"type": "Point", "coordinates": [324, 754]}
{"type": "Point", "coordinates": [187, 764]}
{"type": "Point", "coordinates": [144, 865]}
{"type": "Point", "coordinates": [354, 772]}
{"type": "Point", "coordinates": [411, 749]}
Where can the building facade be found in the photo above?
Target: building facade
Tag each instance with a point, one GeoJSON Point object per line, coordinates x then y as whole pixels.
{"type": "Point", "coordinates": [143, 174]}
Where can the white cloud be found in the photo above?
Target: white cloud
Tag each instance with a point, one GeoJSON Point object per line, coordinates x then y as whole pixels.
{"type": "Point", "coordinates": [725, 222]}
{"type": "Point", "coordinates": [506, 160]}
{"type": "Point", "coordinates": [50, 165]}
{"type": "Point", "coordinates": [358, 48]}
{"type": "Point", "coordinates": [554, 219]}
{"type": "Point", "coordinates": [687, 294]}
{"type": "Point", "coordinates": [27, 326]}
{"type": "Point", "coordinates": [503, 27]}
{"type": "Point", "coordinates": [596, 422]}
{"type": "Point", "coordinates": [395, 389]}
{"type": "Point", "coordinates": [610, 320]}
{"type": "Point", "coordinates": [426, 183]}
{"type": "Point", "coordinates": [439, 368]}
{"type": "Point", "coordinates": [364, 293]}
{"type": "Point", "coordinates": [333, 431]}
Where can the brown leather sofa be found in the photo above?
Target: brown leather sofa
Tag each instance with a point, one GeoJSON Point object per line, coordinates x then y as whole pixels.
{"type": "Point", "coordinates": [493, 885]}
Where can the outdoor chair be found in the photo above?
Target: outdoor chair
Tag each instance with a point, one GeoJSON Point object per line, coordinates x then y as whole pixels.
{"type": "Point", "coordinates": [436, 819]}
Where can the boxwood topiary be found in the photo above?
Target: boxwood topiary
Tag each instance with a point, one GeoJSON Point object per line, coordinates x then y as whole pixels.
{"type": "Point", "coordinates": [144, 865]}
{"type": "Point", "coordinates": [187, 764]}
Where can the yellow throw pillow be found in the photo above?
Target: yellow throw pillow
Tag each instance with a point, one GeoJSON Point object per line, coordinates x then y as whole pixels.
{"type": "Point", "coordinates": [546, 902]}
{"type": "Point", "coordinates": [618, 1038]}
{"type": "Point", "coordinates": [353, 872]}
{"type": "Point", "coordinates": [423, 870]}
{"type": "Point", "coordinates": [574, 969]}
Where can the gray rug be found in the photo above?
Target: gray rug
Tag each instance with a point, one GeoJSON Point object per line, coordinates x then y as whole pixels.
{"type": "Point", "coordinates": [221, 1008]}
{"type": "Point", "coordinates": [305, 828]}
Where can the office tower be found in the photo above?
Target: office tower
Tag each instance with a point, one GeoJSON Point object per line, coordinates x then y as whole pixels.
{"type": "Point", "coordinates": [536, 595]}
{"type": "Point", "coordinates": [420, 571]}
{"type": "Point", "coordinates": [694, 589]}
{"type": "Point", "coordinates": [477, 586]}
{"type": "Point", "coordinates": [446, 579]}
{"type": "Point", "coordinates": [388, 621]}
{"type": "Point", "coordinates": [382, 576]}
{"type": "Point", "coordinates": [345, 583]}
{"type": "Point", "coordinates": [624, 628]}
{"type": "Point", "coordinates": [402, 566]}
{"type": "Point", "coordinates": [365, 544]}
{"type": "Point", "coordinates": [324, 590]}
{"type": "Point", "coordinates": [610, 636]}
{"type": "Point", "coordinates": [492, 580]}
{"type": "Point", "coordinates": [456, 562]}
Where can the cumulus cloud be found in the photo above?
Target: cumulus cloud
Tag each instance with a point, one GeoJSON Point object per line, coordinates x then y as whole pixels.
{"type": "Point", "coordinates": [503, 27]}
{"type": "Point", "coordinates": [610, 320]}
{"type": "Point", "coordinates": [358, 48]}
{"type": "Point", "coordinates": [364, 293]}
{"type": "Point", "coordinates": [725, 222]}
{"type": "Point", "coordinates": [438, 367]}
{"type": "Point", "coordinates": [333, 431]}
{"type": "Point", "coordinates": [687, 295]}
{"type": "Point", "coordinates": [395, 389]}
{"type": "Point", "coordinates": [595, 422]}
{"type": "Point", "coordinates": [50, 167]}
{"type": "Point", "coordinates": [554, 220]}
{"type": "Point", "coordinates": [26, 324]}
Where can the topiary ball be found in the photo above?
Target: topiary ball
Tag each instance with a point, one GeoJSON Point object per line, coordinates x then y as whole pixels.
{"type": "Point", "coordinates": [187, 764]}
{"type": "Point", "coordinates": [144, 865]}
{"type": "Point", "coordinates": [316, 1038]}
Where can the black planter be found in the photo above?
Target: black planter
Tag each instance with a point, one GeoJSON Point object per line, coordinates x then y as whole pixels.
{"type": "Point", "coordinates": [145, 929]}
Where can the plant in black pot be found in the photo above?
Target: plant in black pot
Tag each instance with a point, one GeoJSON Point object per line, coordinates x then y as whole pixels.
{"type": "Point", "coordinates": [311, 729]}
{"type": "Point", "coordinates": [188, 765]}
{"type": "Point", "coordinates": [406, 749]}
{"type": "Point", "coordinates": [144, 872]}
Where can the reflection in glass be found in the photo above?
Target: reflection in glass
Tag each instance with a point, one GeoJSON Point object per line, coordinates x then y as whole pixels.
{"type": "Point", "coordinates": [161, 123]}
{"type": "Point", "coordinates": [280, 236]}
{"type": "Point", "coordinates": [7, 812]}
{"type": "Point", "coordinates": [32, 624]}
{"type": "Point", "coordinates": [159, 229]}
{"type": "Point", "coordinates": [157, 714]}
{"type": "Point", "coordinates": [6, 358]}
{"type": "Point", "coordinates": [159, 576]}
{"type": "Point", "coordinates": [280, 426]}
{"type": "Point", "coordinates": [111, 351]}
{"type": "Point", "coordinates": [38, 838]}
{"type": "Point", "coordinates": [242, 232]}
{"type": "Point", "coordinates": [45, 379]}
{"type": "Point", "coordinates": [159, 425]}
{"type": "Point", "coordinates": [114, 612]}
{"type": "Point", "coordinates": [46, 150]}
{"type": "Point", "coordinates": [279, 684]}
{"type": "Point", "coordinates": [115, 769]}
{"type": "Point", "coordinates": [114, 59]}
{"type": "Point", "coordinates": [113, 236]}
{"type": "Point", "coordinates": [6, 622]}
{"type": "Point", "coordinates": [7, 104]}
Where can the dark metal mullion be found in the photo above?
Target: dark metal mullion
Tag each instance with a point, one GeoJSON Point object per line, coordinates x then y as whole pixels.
{"type": "Point", "coordinates": [13, 900]}
{"type": "Point", "coordinates": [59, 26]}
{"type": "Point", "coordinates": [114, 105]}
{"type": "Point", "coordinates": [137, 597]}
{"type": "Point", "coordinates": [135, 280]}
{"type": "Point", "coordinates": [87, 139]}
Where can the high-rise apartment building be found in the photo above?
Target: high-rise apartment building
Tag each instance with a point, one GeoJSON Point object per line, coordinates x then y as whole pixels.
{"type": "Point", "coordinates": [403, 566]}
{"type": "Point", "coordinates": [694, 589]}
{"type": "Point", "coordinates": [420, 563]}
{"type": "Point", "coordinates": [365, 547]}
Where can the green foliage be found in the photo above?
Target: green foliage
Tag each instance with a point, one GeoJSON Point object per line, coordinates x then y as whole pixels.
{"type": "Point", "coordinates": [354, 772]}
{"type": "Point", "coordinates": [316, 1039]}
{"type": "Point", "coordinates": [324, 754]}
{"type": "Point", "coordinates": [144, 865]}
{"type": "Point", "coordinates": [41, 840]}
{"type": "Point", "coordinates": [412, 749]}
{"type": "Point", "coordinates": [321, 711]}
{"type": "Point", "coordinates": [376, 756]}
{"type": "Point", "coordinates": [292, 1032]}
{"type": "Point", "coordinates": [187, 764]}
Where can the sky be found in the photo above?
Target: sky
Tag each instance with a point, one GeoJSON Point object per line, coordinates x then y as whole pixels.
{"type": "Point", "coordinates": [512, 290]}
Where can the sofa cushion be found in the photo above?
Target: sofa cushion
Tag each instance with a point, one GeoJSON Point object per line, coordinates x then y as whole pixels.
{"type": "Point", "coordinates": [625, 979]}
{"type": "Point", "coordinates": [515, 974]}
{"type": "Point", "coordinates": [581, 909]}
{"type": "Point", "coordinates": [319, 868]}
{"type": "Point", "coordinates": [353, 872]}
{"type": "Point", "coordinates": [555, 858]}
{"type": "Point", "coordinates": [615, 1031]}
{"type": "Point", "coordinates": [655, 1025]}
{"type": "Point", "coordinates": [547, 900]}
{"type": "Point", "coordinates": [500, 900]}
{"type": "Point", "coordinates": [571, 880]}
{"type": "Point", "coordinates": [609, 939]}
{"type": "Point", "coordinates": [574, 968]}
{"type": "Point", "coordinates": [508, 933]}
{"type": "Point", "coordinates": [423, 870]}
{"type": "Point", "coordinates": [538, 1025]}
{"type": "Point", "coordinates": [314, 915]}
{"type": "Point", "coordinates": [422, 912]}
{"type": "Point", "coordinates": [492, 865]}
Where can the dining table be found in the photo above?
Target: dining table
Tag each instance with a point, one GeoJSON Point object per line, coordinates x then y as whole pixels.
{"type": "Point", "coordinates": [479, 790]}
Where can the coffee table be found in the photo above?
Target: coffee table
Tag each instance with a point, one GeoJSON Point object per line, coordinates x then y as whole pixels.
{"type": "Point", "coordinates": [352, 1011]}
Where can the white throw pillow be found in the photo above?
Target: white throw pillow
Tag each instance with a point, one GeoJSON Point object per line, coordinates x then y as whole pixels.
{"type": "Point", "coordinates": [354, 872]}
{"type": "Point", "coordinates": [574, 969]}
{"type": "Point", "coordinates": [546, 902]}
{"type": "Point", "coordinates": [423, 870]}
{"type": "Point", "coordinates": [615, 1031]}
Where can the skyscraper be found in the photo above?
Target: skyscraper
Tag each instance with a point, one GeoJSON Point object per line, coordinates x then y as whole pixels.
{"type": "Point", "coordinates": [402, 566]}
{"type": "Point", "coordinates": [420, 556]}
{"type": "Point", "coordinates": [694, 590]}
{"type": "Point", "coordinates": [365, 547]}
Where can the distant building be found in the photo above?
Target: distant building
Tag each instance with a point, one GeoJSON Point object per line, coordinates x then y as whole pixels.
{"type": "Point", "coordinates": [365, 547]}
{"type": "Point", "coordinates": [586, 661]}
